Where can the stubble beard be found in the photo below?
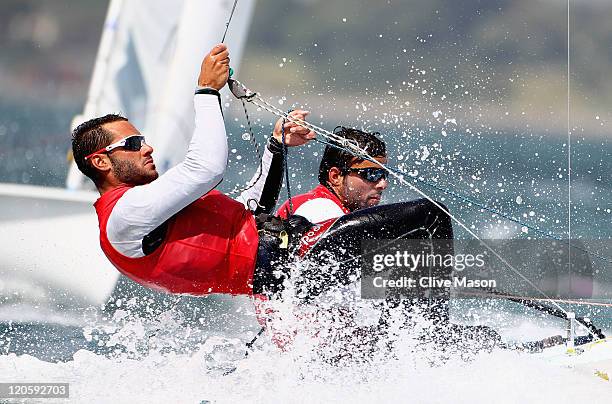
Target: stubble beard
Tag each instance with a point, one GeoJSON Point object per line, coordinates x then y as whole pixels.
{"type": "Point", "coordinates": [128, 172]}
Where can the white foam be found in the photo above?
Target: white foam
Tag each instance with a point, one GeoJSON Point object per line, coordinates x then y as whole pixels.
{"type": "Point", "coordinates": [269, 376]}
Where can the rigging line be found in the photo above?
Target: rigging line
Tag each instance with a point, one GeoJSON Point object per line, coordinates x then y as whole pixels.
{"type": "Point", "coordinates": [249, 345]}
{"type": "Point", "coordinates": [349, 145]}
{"type": "Point", "coordinates": [260, 102]}
{"type": "Point", "coordinates": [237, 189]}
{"type": "Point", "coordinates": [536, 303]}
{"type": "Point", "coordinates": [590, 327]}
{"type": "Point", "coordinates": [286, 165]}
{"type": "Point", "coordinates": [505, 296]}
{"type": "Point", "coordinates": [241, 92]}
{"type": "Point", "coordinates": [355, 150]}
{"type": "Point", "coordinates": [569, 154]}
{"type": "Point", "coordinates": [229, 20]}
{"type": "Point", "coordinates": [250, 96]}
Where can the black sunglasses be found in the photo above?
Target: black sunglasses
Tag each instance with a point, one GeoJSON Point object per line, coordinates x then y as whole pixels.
{"type": "Point", "coordinates": [131, 143]}
{"type": "Point", "coordinates": [372, 174]}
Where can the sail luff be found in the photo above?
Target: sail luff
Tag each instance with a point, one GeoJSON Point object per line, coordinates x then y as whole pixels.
{"type": "Point", "coordinates": [75, 179]}
{"type": "Point", "coordinates": [201, 26]}
{"type": "Point", "coordinates": [100, 73]}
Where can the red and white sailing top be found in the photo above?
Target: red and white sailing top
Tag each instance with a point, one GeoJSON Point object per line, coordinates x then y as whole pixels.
{"type": "Point", "coordinates": [210, 247]}
{"type": "Point", "coordinates": [210, 241]}
{"type": "Point", "coordinates": [317, 205]}
{"type": "Point", "coordinates": [209, 244]}
{"type": "Point", "coordinates": [321, 207]}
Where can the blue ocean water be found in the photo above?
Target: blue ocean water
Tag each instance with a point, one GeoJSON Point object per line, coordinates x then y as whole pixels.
{"type": "Point", "coordinates": [523, 175]}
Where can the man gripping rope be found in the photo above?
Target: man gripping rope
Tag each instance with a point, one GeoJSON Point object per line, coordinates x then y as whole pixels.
{"type": "Point", "coordinates": [178, 234]}
{"type": "Point", "coordinates": [346, 183]}
{"type": "Point", "coordinates": [175, 232]}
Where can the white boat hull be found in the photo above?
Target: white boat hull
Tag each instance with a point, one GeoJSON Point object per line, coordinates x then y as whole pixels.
{"type": "Point", "coordinates": [593, 359]}
{"type": "Point", "coordinates": [49, 248]}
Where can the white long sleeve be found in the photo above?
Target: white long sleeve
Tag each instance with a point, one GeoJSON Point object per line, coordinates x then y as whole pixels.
{"type": "Point", "coordinates": [319, 210]}
{"type": "Point", "coordinates": [145, 207]}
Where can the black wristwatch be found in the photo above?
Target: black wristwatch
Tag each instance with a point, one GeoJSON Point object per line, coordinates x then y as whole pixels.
{"type": "Point", "coordinates": [207, 90]}
{"type": "Point", "coordinates": [275, 146]}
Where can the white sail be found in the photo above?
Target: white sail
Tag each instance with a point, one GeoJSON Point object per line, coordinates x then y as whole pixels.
{"type": "Point", "coordinates": [135, 51]}
{"type": "Point", "coordinates": [202, 26]}
{"type": "Point", "coordinates": [148, 64]}
{"type": "Point", "coordinates": [146, 69]}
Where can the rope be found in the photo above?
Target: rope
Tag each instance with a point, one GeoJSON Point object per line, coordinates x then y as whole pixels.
{"type": "Point", "coordinates": [241, 92]}
{"type": "Point", "coordinates": [341, 143]}
{"type": "Point", "coordinates": [286, 167]}
{"type": "Point", "coordinates": [238, 189]}
{"type": "Point", "coordinates": [596, 332]}
{"type": "Point", "coordinates": [229, 20]}
{"type": "Point", "coordinates": [568, 301]}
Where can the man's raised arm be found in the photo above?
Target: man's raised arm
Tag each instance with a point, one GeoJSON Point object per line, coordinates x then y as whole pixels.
{"type": "Point", "coordinates": [144, 208]}
{"type": "Point", "coordinates": [263, 190]}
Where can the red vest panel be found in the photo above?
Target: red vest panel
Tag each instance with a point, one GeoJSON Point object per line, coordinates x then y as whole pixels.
{"type": "Point", "coordinates": [210, 247]}
{"type": "Point", "coordinates": [317, 192]}
{"type": "Point", "coordinates": [314, 234]}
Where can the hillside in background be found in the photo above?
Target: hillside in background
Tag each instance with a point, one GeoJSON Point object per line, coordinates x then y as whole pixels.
{"type": "Point", "coordinates": [490, 64]}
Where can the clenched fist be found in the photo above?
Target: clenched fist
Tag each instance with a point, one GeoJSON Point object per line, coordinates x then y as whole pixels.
{"type": "Point", "coordinates": [295, 135]}
{"type": "Point", "coordinates": [215, 68]}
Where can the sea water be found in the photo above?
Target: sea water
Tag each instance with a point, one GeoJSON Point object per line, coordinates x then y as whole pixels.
{"type": "Point", "coordinates": [146, 348]}
{"type": "Point", "coordinates": [129, 357]}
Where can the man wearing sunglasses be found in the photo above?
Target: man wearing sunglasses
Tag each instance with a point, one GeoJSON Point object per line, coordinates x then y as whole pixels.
{"type": "Point", "coordinates": [346, 183]}
{"type": "Point", "coordinates": [345, 207]}
{"type": "Point", "coordinates": [175, 232]}
{"type": "Point", "coordinates": [178, 234]}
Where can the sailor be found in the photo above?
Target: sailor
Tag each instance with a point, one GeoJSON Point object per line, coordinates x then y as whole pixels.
{"type": "Point", "coordinates": [178, 234]}
{"type": "Point", "coordinates": [346, 183]}
{"type": "Point", "coordinates": [174, 232]}
{"type": "Point", "coordinates": [349, 190]}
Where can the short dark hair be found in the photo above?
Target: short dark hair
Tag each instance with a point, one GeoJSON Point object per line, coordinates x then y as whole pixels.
{"type": "Point", "coordinates": [89, 137]}
{"type": "Point", "coordinates": [336, 157]}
